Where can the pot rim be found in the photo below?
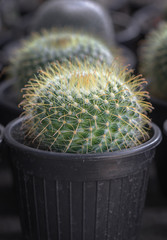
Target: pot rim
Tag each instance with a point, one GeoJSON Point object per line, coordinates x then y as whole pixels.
{"type": "Point", "coordinates": [147, 146]}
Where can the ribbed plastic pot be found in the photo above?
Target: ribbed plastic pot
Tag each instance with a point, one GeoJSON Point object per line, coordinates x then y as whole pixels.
{"type": "Point", "coordinates": [80, 196]}
{"type": "Point", "coordinates": [8, 106]}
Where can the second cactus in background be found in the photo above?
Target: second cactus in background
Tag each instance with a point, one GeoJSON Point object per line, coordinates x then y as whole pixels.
{"type": "Point", "coordinates": [153, 61]}
{"type": "Point", "coordinates": [52, 46]}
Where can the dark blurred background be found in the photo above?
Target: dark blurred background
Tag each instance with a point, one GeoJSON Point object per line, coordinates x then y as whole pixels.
{"type": "Point", "coordinates": [131, 21]}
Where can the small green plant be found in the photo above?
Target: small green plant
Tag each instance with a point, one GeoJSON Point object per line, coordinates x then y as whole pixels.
{"type": "Point", "coordinates": [153, 61]}
{"type": "Point", "coordinates": [85, 108]}
{"type": "Point", "coordinates": [51, 46]}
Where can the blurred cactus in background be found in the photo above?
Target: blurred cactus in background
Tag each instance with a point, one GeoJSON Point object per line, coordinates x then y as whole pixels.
{"type": "Point", "coordinates": [153, 61]}
{"type": "Point", "coordinates": [55, 45]}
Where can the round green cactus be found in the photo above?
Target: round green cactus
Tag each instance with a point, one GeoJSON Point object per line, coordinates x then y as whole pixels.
{"type": "Point", "coordinates": [52, 46]}
{"type": "Point", "coordinates": [153, 61]}
{"type": "Point", "coordinates": [86, 109]}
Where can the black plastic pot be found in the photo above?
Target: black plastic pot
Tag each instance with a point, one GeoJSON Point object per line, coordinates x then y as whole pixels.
{"type": "Point", "coordinates": [80, 196]}
{"type": "Point", "coordinates": [159, 115]}
{"type": "Point", "coordinates": [8, 104]}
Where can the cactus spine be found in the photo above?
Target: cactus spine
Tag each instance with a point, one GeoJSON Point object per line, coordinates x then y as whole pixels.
{"type": "Point", "coordinates": [86, 109]}
{"type": "Point", "coordinates": [51, 46]}
{"type": "Point", "coordinates": [153, 61]}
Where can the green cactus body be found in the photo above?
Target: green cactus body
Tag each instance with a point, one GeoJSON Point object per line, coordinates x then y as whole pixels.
{"type": "Point", "coordinates": [52, 46]}
{"type": "Point", "coordinates": [153, 61]}
{"type": "Point", "coordinates": [85, 109]}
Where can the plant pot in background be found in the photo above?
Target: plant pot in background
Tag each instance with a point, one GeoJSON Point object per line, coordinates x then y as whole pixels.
{"type": "Point", "coordinates": [86, 16]}
{"type": "Point", "coordinates": [127, 30]}
{"type": "Point", "coordinates": [159, 116]}
{"type": "Point", "coordinates": [82, 196]}
{"type": "Point", "coordinates": [136, 5]}
{"type": "Point", "coordinates": [8, 102]}
{"type": "Point", "coordinates": [115, 5]}
{"type": "Point", "coordinates": [147, 18]}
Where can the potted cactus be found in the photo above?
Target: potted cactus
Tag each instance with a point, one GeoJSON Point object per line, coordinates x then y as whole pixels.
{"type": "Point", "coordinates": [39, 50]}
{"type": "Point", "coordinates": [153, 65]}
{"type": "Point", "coordinates": [82, 152]}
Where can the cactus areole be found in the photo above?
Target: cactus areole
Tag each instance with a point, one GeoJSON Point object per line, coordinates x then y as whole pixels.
{"type": "Point", "coordinates": [86, 109]}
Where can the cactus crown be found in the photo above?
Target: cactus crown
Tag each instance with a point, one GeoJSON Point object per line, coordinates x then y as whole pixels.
{"type": "Point", "coordinates": [55, 45]}
{"type": "Point", "coordinates": [85, 109]}
{"type": "Point", "coordinates": [153, 61]}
